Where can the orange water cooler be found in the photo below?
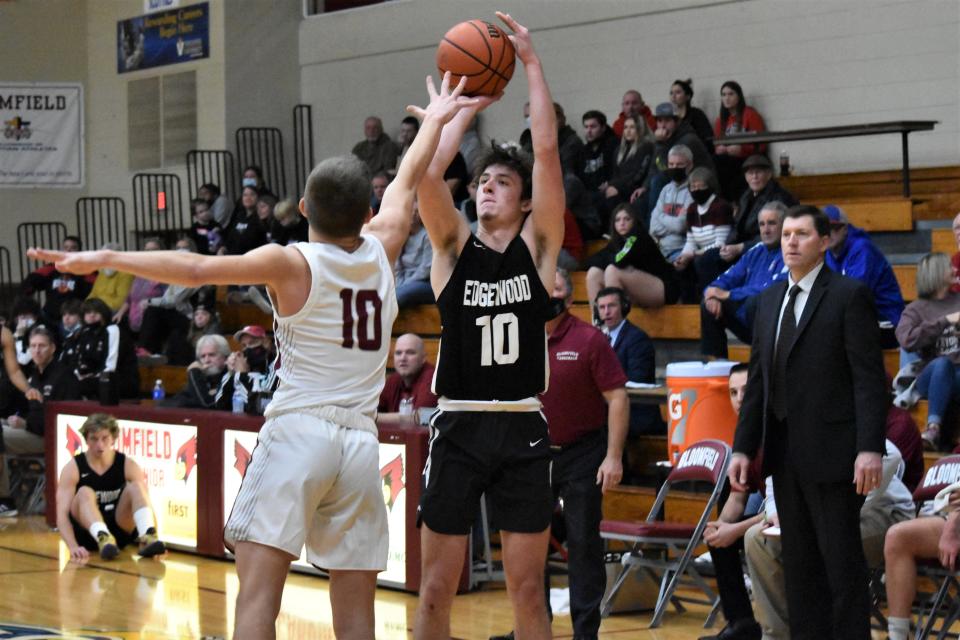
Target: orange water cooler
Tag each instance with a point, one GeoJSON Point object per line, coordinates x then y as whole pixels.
{"type": "Point", "coordinates": [698, 404]}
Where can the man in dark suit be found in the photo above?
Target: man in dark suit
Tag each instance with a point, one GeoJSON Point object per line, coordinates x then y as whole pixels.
{"type": "Point", "coordinates": [815, 404]}
{"type": "Point", "coordinates": [634, 350]}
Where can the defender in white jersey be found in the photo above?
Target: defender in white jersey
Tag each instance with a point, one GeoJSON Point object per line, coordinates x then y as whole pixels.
{"type": "Point", "coordinates": [314, 477]}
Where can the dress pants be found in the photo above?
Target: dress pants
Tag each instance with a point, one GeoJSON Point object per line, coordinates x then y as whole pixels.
{"type": "Point", "coordinates": [824, 566]}
{"type": "Point", "coordinates": [574, 479]}
{"type": "Point", "coordinates": [733, 592]}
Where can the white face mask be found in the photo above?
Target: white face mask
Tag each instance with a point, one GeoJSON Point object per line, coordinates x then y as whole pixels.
{"type": "Point", "coordinates": [526, 121]}
{"type": "Point", "coordinates": [108, 272]}
{"type": "Point", "coordinates": [249, 182]}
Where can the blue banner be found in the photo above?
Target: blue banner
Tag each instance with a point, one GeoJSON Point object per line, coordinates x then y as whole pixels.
{"type": "Point", "coordinates": [168, 37]}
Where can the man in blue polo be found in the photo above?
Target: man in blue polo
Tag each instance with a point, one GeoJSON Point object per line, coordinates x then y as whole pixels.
{"type": "Point", "coordinates": [853, 254]}
{"type": "Point", "coordinates": [731, 300]}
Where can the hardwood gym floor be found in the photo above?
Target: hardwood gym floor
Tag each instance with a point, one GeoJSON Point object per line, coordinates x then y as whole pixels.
{"type": "Point", "coordinates": [187, 596]}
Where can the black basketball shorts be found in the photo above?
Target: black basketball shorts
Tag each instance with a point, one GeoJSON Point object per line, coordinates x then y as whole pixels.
{"type": "Point", "coordinates": [505, 455]}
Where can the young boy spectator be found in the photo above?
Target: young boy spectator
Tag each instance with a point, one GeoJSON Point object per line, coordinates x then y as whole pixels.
{"type": "Point", "coordinates": [289, 227]}
{"type": "Point", "coordinates": [204, 230]}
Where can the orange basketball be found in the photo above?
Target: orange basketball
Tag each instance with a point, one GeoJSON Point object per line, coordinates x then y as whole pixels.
{"type": "Point", "coordinates": [482, 52]}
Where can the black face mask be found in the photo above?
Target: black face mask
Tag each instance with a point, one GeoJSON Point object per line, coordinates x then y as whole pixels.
{"type": "Point", "coordinates": [676, 174]}
{"type": "Point", "coordinates": [256, 358]}
{"type": "Point", "coordinates": [557, 306]}
{"type": "Point", "coordinates": [700, 196]}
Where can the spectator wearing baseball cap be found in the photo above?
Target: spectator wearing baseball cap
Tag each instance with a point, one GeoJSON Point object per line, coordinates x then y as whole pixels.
{"type": "Point", "coordinates": [853, 254]}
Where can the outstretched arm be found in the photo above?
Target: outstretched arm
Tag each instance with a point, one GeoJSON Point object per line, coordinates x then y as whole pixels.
{"type": "Point", "coordinates": [392, 224]}
{"type": "Point", "coordinates": [543, 231]}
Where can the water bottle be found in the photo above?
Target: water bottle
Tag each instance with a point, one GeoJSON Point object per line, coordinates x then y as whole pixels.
{"type": "Point", "coordinates": [406, 406]}
{"type": "Point", "coordinates": [107, 391]}
{"type": "Point", "coordinates": [784, 163]}
{"type": "Point", "coordinates": [158, 391]}
{"type": "Point", "coordinates": [238, 400]}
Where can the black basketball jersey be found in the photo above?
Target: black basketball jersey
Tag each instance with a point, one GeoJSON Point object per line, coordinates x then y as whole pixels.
{"type": "Point", "coordinates": [492, 312]}
{"type": "Point", "coordinates": [108, 486]}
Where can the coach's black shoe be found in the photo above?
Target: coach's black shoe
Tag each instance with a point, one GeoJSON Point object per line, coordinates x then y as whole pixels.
{"type": "Point", "coordinates": [108, 546]}
{"type": "Point", "coordinates": [150, 545]}
{"type": "Point", "coordinates": [742, 629]}
{"type": "Point", "coordinates": [506, 636]}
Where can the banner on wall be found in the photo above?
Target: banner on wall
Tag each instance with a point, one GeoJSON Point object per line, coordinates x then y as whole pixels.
{"type": "Point", "coordinates": [42, 142]}
{"type": "Point", "coordinates": [166, 37]}
{"type": "Point", "coordinates": [167, 453]}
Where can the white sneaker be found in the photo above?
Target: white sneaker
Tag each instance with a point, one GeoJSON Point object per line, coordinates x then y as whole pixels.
{"type": "Point", "coordinates": [7, 509]}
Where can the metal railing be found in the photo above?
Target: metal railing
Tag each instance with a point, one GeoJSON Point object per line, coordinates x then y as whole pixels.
{"type": "Point", "coordinates": [263, 147]}
{"type": "Point", "coordinates": [101, 220]}
{"type": "Point", "coordinates": [303, 160]}
{"type": "Point", "coordinates": [48, 235]}
{"type": "Point", "coordinates": [215, 167]}
{"type": "Point", "coordinates": [158, 206]}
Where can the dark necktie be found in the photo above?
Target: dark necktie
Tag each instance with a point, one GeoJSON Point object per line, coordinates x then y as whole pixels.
{"type": "Point", "coordinates": [788, 331]}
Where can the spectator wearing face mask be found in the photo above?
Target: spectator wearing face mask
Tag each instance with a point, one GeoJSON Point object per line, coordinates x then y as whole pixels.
{"type": "Point", "coordinates": [111, 286]}
{"type": "Point", "coordinates": [668, 221]}
{"type": "Point", "coordinates": [26, 313]}
{"type": "Point", "coordinates": [102, 348]}
{"type": "Point", "coordinates": [709, 220]}
{"type": "Point", "coordinates": [71, 324]}
{"type": "Point", "coordinates": [248, 371]}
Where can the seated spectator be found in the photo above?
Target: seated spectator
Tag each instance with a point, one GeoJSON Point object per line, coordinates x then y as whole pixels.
{"type": "Point", "coordinates": [631, 163]}
{"type": "Point", "coordinates": [633, 106]}
{"type": "Point", "coordinates": [884, 508]}
{"type": "Point", "coordinates": [249, 371]}
{"type": "Point", "coordinates": [47, 381]}
{"type": "Point", "coordinates": [746, 230]}
{"type": "Point", "coordinates": [218, 203]}
{"type": "Point", "coordinates": [730, 302]}
{"type": "Point", "coordinates": [571, 249]}
{"type": "Point", "coordinates": [724, 537]}
{"type": "Point", "coordinates": [582, 205]}
{"type": "Point", "coordinates": [670, 132]}
{"type": "Point", "coordinates": [641, 270]}
{"type": "Point", "coordinates": [26, 314]}
{"type": "Point", "coordinates": [102, 498]}
{"type": "Point", "coordinates": [205, 231]}
{"type": "Point", "coordinates": [265, 204]}
{"type": "Point", "coordinates": [623, 223]}
{"type": "Point", "coordinates": [735, 118]}
{"type": "Point", "coordinates": [681, 94]}
{"type": "Point", "coordinates": [636, 354]}
{"type": "Point", "coordinates": [668, 221]}
{"type": "Point", "coordinates": [955, 260]}
{"type": "Point", "coordinates": [930, 537]}
{"type": "Point", "coordinates": [58, 286]}
{"type": "Point", "coordinates": [376, 149]}
{"type": "Point", "coordinates": [253, 177]}
{"type": "Point", "coordinates": [141, 291]}
{"type": "Point", "coordinates": [468, 208]}
{"type": "Point", "coordinates": [599, 154]}
{"type": "Point", "coordinates": [379, 183]}
{"type": "Point", "coordinates": [930, 326]}
{"type": "Point", "coordinates": [204, 322]}
{"type": "Point", "coordinates": [245, 231]}
{"type": "Point", "coordinates": [102, 348]}
{"type": "Point", "coordinates": [409, 128]}
{"type": "Point", "coordinates": [13, 384]}
{"type": "Point", "coordinates": [203, 375]}
{"type": "Point", "coordinates": [166, 319]}
{"type": "Point", "coordinates": [408, 388]}
{"type": "Point", "coordinates": [71, 326]}
{"type": "Point", "coordinates": [289, 225]}
{"type": "Point", "coordinates": [852, 253]}
{"type": "Point", "coordinates": [111, 286]}
{"type": "Point", "coordinates": [709, 220]}
{"type": "Point", "coordinates": [412, 271]}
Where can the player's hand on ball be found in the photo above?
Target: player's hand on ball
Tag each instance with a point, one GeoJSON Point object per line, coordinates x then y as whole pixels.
{"type": "Point", "coordinates": [520, 39]}
{"type": "Point", "coordinates": [446, 103]}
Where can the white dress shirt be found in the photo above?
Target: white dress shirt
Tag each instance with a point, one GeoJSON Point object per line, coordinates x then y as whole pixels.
{"type": "Point", "coordinates": [806, 284]}
{"type": "Point", "coordinates": [613, 333]}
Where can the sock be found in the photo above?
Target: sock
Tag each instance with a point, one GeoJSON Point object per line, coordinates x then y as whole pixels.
{"type": "Point", "coordinates": [898, 628]}
{"type": "Point", "coordinates": [96, 528]}
{"type": "Point", "coordinates": [143, 517]}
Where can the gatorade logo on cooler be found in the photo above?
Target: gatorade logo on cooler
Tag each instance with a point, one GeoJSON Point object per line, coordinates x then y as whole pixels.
{"type": "Point", "coordinates": [679, 413]}
{"type": "Point", "coordinates": [698, 457]}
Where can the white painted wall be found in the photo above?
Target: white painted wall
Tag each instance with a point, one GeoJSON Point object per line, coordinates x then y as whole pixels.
{"type": "Point", "coordinates": [801, 64]}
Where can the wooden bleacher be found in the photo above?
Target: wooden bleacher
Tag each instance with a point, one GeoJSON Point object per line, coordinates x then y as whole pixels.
{"type": "Point", "coordinates": [876, 214]}
{"type": "Point", "coordinates": [942, 240]}
{"type": "Point", "coordinates": [925, 183]}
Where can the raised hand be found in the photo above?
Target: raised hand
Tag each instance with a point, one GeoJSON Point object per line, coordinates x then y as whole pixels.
{"type": "Point", "coordinates": [78, 262]}
{"type": "Point", "coordinates": [520, 39]}
{"type": "Point", "coordinates": [446, 103]}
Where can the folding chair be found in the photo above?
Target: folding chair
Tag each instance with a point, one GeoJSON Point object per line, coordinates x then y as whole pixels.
{"type": "Point", "coordinates": [28, 482]}
{"type": "Point", "coordinates": [705, 461]}
{"type": "Point", "coordinates": [941, 474]}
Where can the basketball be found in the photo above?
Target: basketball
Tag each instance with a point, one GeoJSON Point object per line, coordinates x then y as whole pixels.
{"type": "Point", "coordinates": [482, 52]}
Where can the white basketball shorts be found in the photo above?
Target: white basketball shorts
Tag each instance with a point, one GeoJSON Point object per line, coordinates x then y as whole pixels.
{"type": "Point", "coordinates": [314, 483]}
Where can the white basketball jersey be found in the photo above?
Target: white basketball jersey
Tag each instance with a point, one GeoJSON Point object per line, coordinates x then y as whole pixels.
{"type": "Point", "coordinates": [334, 350]}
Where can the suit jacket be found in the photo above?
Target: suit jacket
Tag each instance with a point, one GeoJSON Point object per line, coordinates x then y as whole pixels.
{"type": "Point", "coordinates": [836, 386]}
{"type": "Point", "coordinates": [636, 354]}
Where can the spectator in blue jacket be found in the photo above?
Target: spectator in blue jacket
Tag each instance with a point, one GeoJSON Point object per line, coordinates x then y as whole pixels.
{"type": "Point", "coordinates": [731, 300]}
{"type": "Point", "coordinates": [853, 254]}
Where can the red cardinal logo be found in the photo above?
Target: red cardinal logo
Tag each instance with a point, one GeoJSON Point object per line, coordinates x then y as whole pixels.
{"type": "Point", "coordinates": [242, 457]}
{"type": "Point", "coordinates": [391, 474]}
{"type": "Point", "coordinates": [74, 443]}
{"type": "Point", "coordinates": [186, 459]}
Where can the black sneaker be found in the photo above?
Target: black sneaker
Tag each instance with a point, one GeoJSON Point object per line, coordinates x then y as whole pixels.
{"type": "Point", "coordinates": [8, 508]}
{"type": "Point", "coordinates": [150, 545]}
